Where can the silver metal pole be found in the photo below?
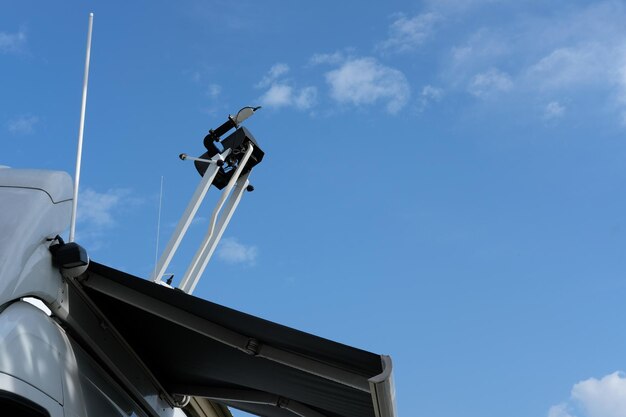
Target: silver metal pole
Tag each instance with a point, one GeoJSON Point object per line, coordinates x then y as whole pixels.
{"type": "Point", "coordinates": [79, 152]}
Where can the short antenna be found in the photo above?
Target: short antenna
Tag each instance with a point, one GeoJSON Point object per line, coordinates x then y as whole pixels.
{"type": "Point", "coordinates": [81, 129]}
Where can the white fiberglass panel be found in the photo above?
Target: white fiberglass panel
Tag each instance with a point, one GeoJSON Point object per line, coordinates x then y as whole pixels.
{"type": "Point", "coordinates": [34, 206]}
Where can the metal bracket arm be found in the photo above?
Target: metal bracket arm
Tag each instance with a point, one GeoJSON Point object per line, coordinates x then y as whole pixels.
{"type": "Point", "coordinates": [217, 227]}
{"type": "Point", "coordinates": [185, 220]}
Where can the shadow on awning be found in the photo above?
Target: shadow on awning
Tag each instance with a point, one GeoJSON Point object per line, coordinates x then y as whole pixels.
{"type": "Point", "coordinates": [198, 348]}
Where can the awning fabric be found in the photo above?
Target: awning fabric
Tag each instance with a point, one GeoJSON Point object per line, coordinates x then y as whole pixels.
{"type": "Point", "coordinates": [198, 348]}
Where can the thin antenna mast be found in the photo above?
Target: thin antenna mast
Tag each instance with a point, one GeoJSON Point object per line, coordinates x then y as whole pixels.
{"type": "Point", "coordinates": [156, 250]}
{"type": "Point", "coordinates": [79, 152]}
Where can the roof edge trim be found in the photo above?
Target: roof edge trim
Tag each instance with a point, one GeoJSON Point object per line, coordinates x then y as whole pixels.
{"type": "Point", "coordinates": [383, 390]}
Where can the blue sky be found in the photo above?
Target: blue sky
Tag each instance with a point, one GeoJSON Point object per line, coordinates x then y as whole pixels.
{"type": "Point", "coordinates": [444, 180]}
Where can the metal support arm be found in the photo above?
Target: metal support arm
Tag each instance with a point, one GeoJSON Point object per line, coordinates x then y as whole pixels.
{"type": "Point", "coordinates": [217, 226]}
{"type": "Point", "coordinates": [190, 212]}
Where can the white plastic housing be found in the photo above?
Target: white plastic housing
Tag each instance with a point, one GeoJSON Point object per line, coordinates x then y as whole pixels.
{"type": "Point", "coordinates": [35, 206]}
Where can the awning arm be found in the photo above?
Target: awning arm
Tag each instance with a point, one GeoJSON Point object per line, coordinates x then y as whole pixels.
{"type": "Point", "coordinates": [92, 329]}
{"type": "Point", "coordinates": [202, 407]}
{"type": "Point", "coordinates": [229, 395]}
{"type": "Point", "coordinates": [383, 390]}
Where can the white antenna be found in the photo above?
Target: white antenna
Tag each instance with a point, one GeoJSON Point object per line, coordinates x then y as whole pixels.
{"type": "Point", "coordinates": [79, 152]}
{"type": "Point", "coordinates": [156, 250]}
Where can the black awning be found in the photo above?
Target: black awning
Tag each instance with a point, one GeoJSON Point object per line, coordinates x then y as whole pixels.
{"type": "Point", "coordinates": [198, 348]}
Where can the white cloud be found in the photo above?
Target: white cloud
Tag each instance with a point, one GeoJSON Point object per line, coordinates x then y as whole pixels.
{"type": "Point", "coordinates": [97, 213]}
{"type": "Point", "coordinates": [281, 92]}
{"type": "Point", "coordinates": [583, 51]}
{"type": "Point", "coordinates": [559, 410]}
{"type": "Point", "coordinates": [277, 71]}
{"type": "Point", "coordinates": [215, 104]}
{"type": "Point", "coordinates": [490, 82]}
{"type": "Point", "coordinates": [334, 58]}
{"type": "Point", "coordinates": [283, 95]}
{"type": "Point", "coordinates": [429, 95]}
{"type": "Point", "coordinates": [472, 65]}
{"type": "Point", "coordinates": [96, 209]}
{"type": "Point", "coordinates": [12, 42]}
{"type": "Point", "coordinates": [213, 91]}
{"type": "Point", "coordinates": [233, 252]}
{"type": "Point", "coordinates": [605, 397]}
{"type": "Point", "coordinates": [553, 110]}
{"type": "Point", "coordinates": [572, 66]}
{"type": "Point", "coordinates": [432, 93]}
{"type": "Point", "coordinates": [306, 98]}
{"type": "Point", "coordinates": [482, 47]}
{"type": "Point", "coordinates": [586, 54]}
{"type": "Point", "coordinates": [364, 81]}
{"type": "Point", "coordinates": [279, 95]}
{"type": "Point", "coordinates": [406, 34]}
{"type": "Point", "coordinates": [22, 125]}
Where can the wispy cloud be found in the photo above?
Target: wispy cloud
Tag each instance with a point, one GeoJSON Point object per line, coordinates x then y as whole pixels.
{"type": "Point", "coordinates": [97, 208]}
{"type": "Point", "coordinates": [22, 125]}
{"type": "Point", "coordinates": [605, 397]}
{"type": "Point", "coordinates": [277, 71]}
{"type": "Point", "coordinates": [214, 102]}
{"type": "Point", "coordinates": [429, 95]}
{"type": "Point", "coordinates": [559, 410]}
{"type": "Point", "coordinates": [97, 213]}
{"type": "Point", "coordinates": [407, 34]}
{"type": "Point", "coordinates": [484, 47]}
{"type": "Point", "coordinates": [553, 110]}
{"type": "Point", "coordinates": [334, 58]}
{"type": "Point", "coordinates": [569, 66]}
{"type": "Point", "coordinates": [282, 93]}
{"type": "Point", "coordinates": [365, 81]}
{"type": "Point", "coordinates": [490, 82]}
{"type": "Point", "coordinates": [581, 51]}
{"type": "Point", "coordinates": [12, 42]}
{"type": "Point", "coordinates": [232, 251]}
{"type": "Point", "coordinates": [213, 91]}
